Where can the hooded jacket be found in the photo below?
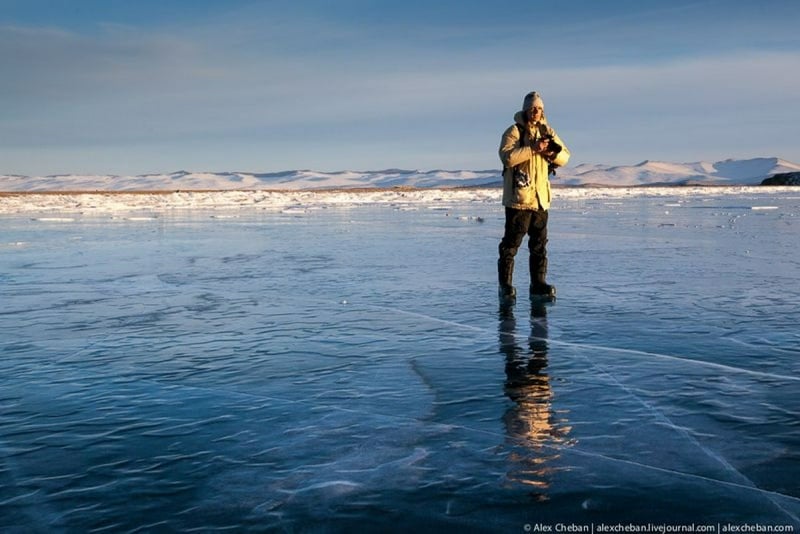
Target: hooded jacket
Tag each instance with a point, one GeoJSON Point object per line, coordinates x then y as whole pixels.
{"type": "Point", "coordinates": [516, 152]}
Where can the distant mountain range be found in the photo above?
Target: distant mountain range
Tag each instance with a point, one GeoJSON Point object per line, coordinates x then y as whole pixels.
{"type": "Point", "coordinates": [728, 172]}
{"type": "Point", "coordinates": [646, 173]}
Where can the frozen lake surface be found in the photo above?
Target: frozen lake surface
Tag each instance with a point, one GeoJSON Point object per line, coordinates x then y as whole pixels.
{"type": "Point", "coordinates": [349, 369]}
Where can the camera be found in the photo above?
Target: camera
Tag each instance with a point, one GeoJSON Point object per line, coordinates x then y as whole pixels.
{"type": "Point", "coordinates": [553, 148]}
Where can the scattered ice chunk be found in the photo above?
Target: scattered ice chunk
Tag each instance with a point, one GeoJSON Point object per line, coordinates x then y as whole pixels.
{"type": "Point", "coordinates": [294, 210]}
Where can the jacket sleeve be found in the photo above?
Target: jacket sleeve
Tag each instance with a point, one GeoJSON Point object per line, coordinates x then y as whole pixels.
{"type": "Point", "coordinates": [511, 154]}
{"type": "Point", "coordinates": [563, 157]}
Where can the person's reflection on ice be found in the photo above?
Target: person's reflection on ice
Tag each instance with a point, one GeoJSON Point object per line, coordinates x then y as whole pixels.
{"type": "Point", "coordinates": [535, 433]}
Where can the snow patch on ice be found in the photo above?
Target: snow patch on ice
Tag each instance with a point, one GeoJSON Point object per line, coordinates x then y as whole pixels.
{"type": "Point", "coordinates": [64, 207]}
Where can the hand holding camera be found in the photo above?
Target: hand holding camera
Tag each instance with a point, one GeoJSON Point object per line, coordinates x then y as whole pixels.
{"type": "Point", "coordinates": [541, 144]}
{"type": "Point", "coordinates": [547, 147]}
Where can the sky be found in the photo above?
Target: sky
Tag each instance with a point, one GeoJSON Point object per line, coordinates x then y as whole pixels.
{"type": "Point", "coordinates": [156, 86]}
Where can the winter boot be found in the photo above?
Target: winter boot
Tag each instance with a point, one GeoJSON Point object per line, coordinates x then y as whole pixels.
{"type": "Point", "coordinates": [505, 275]}
{"type": "Point", "coordinates": [540, 289]}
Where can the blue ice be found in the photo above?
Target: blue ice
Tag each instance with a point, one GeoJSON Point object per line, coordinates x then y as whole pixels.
{"type": "Point", "coordinates": [349, 368]}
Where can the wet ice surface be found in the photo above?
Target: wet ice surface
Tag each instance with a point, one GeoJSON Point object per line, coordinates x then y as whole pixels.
{"type": "Point", "coordinates": [350, 369]}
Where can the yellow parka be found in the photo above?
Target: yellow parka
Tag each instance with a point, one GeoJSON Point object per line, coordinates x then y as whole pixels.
{"type": "Point", "coordinates": [516, 152]}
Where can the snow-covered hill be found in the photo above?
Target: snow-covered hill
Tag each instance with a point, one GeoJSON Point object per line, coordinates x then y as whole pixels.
{"type": "Point", "coordinates": [728, 172]}
{"type": "Point", "coordinates": [226, 181]}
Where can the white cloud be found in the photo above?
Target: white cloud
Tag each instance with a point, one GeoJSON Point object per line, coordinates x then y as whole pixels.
{"type": "Point", "coordinates": [260, 85]}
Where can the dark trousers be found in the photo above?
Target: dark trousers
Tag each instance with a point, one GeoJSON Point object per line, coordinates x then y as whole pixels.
{"type": "Point", "coordinates": [518, 224]}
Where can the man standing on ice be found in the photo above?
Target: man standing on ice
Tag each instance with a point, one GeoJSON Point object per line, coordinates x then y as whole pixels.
{"type": "Point", "coordinates": [530, 150]}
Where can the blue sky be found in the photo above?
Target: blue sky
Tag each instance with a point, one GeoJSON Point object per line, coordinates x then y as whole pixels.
{"type": "Point", "coordinates": [124, 87]}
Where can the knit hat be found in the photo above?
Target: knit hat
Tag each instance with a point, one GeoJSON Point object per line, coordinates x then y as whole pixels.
{"type": "Point", "coordinates": [532, 100]}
